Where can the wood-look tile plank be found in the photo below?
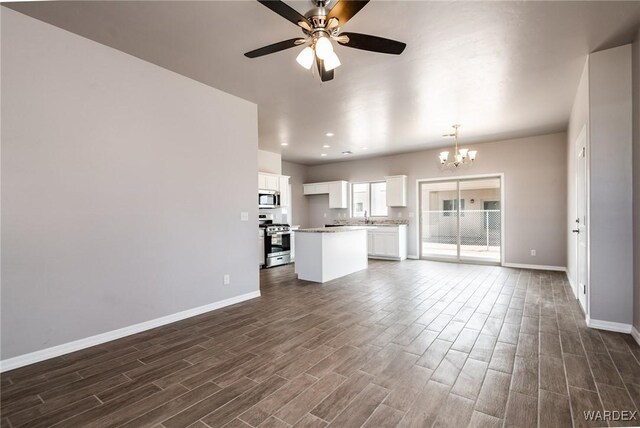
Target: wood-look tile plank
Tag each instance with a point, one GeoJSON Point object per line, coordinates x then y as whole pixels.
{"type": "Point", "coordinates": [554, 410]}
{"type": "Point", "coordinates": [480, 420]}
{"type": "Point", "coordinates": [448, 370]}
{"type": "Point", "coordinates": [272, 422]}
{"type": "Point", "coordinates": [335, 402]}
{"type": "Point", "coordinates": [470, 379]}
{"type": "Point", "coordinates": [456, 412]}
{"type": "Point", "coordinates": [99, 412]}
{"type": "Point", "coordinates": [361, 408]}
{"type": "Point", "coordinates": [244, 402]}
{"type": "Point", "coordinates": [465, 340]}
{"type": "Point", "coordinates": [583, 401]}
{"type": "Point", "coordinates": [525, 376]}
{"type": "Point", "coordinates": [174, 406]}
{"type": "Point", "coordinates": [522, 411]}
{"type": "Point", "coordinates": [270, 405]}
{"type": "Point", "coordinates": [494, 393]}
{"type": "Point", "coordinates": [61, 414]}
{"type": "Point", "coordinates": [578, 373]}
{"type": "Point", "coordinates": [424, 411]}
{"type": "Point", "coordinates": [310, 421]}
{"type": "Point", "coordinates": [552, 376]}
{"type": "Point", "coordinates": [384, 417]}
{"type": "Point", "coordinates": [603, 369]}
{"type": "Point", "coordinates": [483, 348]}
{"type": "Point", "coordinates": [208, 405]}
{"type": "Point", "coordinates": [617, 400]}
{"type": "Point", "coordinates": [310, 398]}
{"type": "Point", "coordinates": [503, 357]}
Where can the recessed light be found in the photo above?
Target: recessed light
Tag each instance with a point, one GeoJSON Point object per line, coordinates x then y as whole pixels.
{"type": "Point", "coordinates": [323, 155]}
{"type": "Point", "coordinates": [284, 144]}
{"type": "Point", "coordinates": [329, 134]}
{"type": "Point", "coordinates": [364, 148]}
{"type": "Point", "coordinates": [347, 152]}
{"type": "Point", "coordinates": [326, 146]}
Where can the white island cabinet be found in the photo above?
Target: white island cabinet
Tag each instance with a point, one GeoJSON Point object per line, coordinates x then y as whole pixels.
{"type": "Point", "coordinates": [324, 254]}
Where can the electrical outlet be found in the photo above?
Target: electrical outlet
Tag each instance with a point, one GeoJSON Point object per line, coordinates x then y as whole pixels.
{"type": "Point", "coordinates": [533, 253]}
{"type": "Point", "coordinates": [244, 216]}
{"type": "Point", "coordinates": [324, 215]}
{"type": "Point", "coordinates": [400, 215]}
{"type": "Point", "coordinates": [226, 279]}
{"type": "Point", "coordinates": [411, 215]}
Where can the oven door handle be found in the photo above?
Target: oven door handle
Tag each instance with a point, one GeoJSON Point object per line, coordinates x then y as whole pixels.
{"type": "Point", "coordinates": [278, 233]}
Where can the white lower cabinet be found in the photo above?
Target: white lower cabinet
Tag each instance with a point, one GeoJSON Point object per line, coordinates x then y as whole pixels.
{"type": "Point", "coordinates": [261, 260]}
{"type": "Point", "coordinates": [388, 242]}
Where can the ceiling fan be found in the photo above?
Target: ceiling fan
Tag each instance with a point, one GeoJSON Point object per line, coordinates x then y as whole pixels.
{"type": "Point", "coordinates": [320, 26]}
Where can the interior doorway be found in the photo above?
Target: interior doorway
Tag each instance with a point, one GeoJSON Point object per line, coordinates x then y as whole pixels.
{"type": "Point", "coordinates": [461, 220]}
{"type": "Point", "coordinates": [581, 221]}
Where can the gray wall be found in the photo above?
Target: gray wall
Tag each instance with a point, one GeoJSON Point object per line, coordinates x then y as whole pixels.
{"type": "Point", "coordinates": [636, 179]}
{"type": "Point", "coordinates": [535, 191]}
{"type": "Point", "coordinates": [610, 181]}
{"type": "Point", "coordinates": [122, 187]}
{"type": "Point", "coordinates": [299, 207]}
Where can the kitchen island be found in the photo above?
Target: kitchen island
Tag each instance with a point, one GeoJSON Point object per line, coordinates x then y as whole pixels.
{"type": "Point", "coordinates": [327, 253]}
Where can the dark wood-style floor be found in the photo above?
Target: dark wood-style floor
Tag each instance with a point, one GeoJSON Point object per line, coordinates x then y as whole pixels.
{"type": "Point", "coordinates": [401, 344]}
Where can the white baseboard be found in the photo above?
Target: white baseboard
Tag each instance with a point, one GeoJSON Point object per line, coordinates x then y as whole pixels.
{"type": "Point", "coordinates": [87, 342]}
{"type": "Point", "coordinates": [535, 267]}
{"type": "Point", "coordinates": [413, 257]}
{"type": "Point", "coordinates": [609, 326]}
{"type": "Point", "coordinates": [636, 334]}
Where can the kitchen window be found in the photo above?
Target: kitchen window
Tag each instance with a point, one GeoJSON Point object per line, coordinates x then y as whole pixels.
{"type": "Point", "coordinates": [370, 197]}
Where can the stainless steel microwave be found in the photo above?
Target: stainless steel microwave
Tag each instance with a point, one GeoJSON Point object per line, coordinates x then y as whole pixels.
{"type": "Point", "coordinates": [268, 199]}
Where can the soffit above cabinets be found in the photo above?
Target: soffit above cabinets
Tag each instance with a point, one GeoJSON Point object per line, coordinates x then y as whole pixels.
{"type": "Point", "coordinates": [503, 69]}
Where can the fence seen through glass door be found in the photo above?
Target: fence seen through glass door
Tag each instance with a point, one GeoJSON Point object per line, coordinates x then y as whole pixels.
{"type": "Point", "coordinates": [461, 220]}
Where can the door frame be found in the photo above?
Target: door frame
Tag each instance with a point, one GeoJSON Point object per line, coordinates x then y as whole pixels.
{"type": "Point", "coordinates": [583, 135]}
{"type": "Point", "coordinates": [503, 211]}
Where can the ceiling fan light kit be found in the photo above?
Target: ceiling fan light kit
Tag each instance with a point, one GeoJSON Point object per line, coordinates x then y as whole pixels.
{"type": "Point", "coordinates": [461, 157]}
{"type": "Point", "coordinates": [320, 27]}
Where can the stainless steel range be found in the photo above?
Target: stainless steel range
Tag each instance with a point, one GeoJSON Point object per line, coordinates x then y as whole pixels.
{"type": "Point", "coordinates": [277, 243]}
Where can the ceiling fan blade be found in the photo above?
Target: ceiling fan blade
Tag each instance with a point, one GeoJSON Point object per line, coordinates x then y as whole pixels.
{"type": "Point", "coordinates": [276, 47]}
{"type": "Point", "coordinates": [324, 74]}
{"type": "Point", "coordinates": [287, 12]}
{"type": "Point", "coordinates": [345, 9]}
{"type": "Point", "coordinates": [372, 43]}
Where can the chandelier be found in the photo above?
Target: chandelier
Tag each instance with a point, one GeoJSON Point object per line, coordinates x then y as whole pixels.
{"type": "Point", "coordinates": [460, 157]}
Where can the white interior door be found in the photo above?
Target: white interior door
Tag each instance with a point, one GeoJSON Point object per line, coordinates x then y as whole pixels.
{"type": "Point", "coordinates": [581, 220]}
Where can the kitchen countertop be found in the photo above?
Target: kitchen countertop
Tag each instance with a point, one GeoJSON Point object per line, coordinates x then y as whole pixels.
{"type": "Point", "coordinates": [335, 229]}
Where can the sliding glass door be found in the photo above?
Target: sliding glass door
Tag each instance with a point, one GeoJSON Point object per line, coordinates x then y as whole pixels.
{"type": "Point", "coordinates": [461, 220]}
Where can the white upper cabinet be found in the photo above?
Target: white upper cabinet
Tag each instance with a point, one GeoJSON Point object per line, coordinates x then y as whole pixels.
{"type": "Point", "coordinates": [396, 190]}
{"type": "Point", "coordinates": [338, 194]}
{"type": "Point", "coordinates": [268, 181]}
{"type": "Point", "coordinates": [337, 190]}
{"type": "Point", "coordinates": [316, 188]}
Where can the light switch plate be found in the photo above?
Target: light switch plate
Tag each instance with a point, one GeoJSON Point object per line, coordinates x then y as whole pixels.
{"type": "Point", "coordinates": [244, 216]}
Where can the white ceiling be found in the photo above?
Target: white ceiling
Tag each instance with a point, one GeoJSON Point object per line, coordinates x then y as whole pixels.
{"type": "Point", "coordinates": [501, 69]}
